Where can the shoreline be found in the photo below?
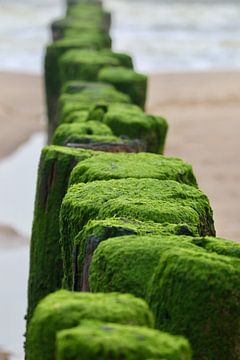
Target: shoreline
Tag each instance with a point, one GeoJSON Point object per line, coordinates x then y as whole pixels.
{"type": "Point", "coordinates": [202, 109]}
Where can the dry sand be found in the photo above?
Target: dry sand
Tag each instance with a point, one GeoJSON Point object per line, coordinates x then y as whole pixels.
{"type": "Point", "coordinates": [203, 111]}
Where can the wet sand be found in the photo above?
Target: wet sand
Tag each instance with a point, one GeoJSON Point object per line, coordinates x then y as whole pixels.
{"type": "Point", "coordinates": [203, 110]}
{"type": "Point", "coordinates": [21, 109]}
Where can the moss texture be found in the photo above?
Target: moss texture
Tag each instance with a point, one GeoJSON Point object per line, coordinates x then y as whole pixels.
{"type": "Point", "coordinates": [117, 166]}
{"type": "Point", "coordinates": [98, 111]}
{"type": "Point", "coordinates": [124, 59]}
{"type": "Point", "coordinates": [97, 231]}
{"type": "Point", "coordinates": [82, 17]}
{"type": "Point", "coordinates": [141, 199]}
{"type": "Point", "coordinates": [104, 341]}
{"type": "Point", "coordinates": [219, 246]}
{"type": "Point", "coordinates": [126, 81]}
{"type": "Point", "coordinates": [136, 256]}
{"type": "Point", "coordinates": [46, 267]}
{"type": "Point", "coordinates": [73, 87]}
{"type": "Point", "coordinates": [61, 27]}
{"type": "Point", "coordinates": [64, 310]}
{"type": "Point", "coordinates": [87, 99]}
{"type": "Point", "coordinates": [52, 70]}
{"type": "Point", "coordinates": [77, 132]}
{"type": "Point", "coordinates": [77, 117]}
{"type": "Point", "coordinates": [91, 12]}
{"type": "Point", "coordinates": [197, 295]}
{"type": "Point", "coordinates": [137, 125]}
{"type": "Point", "coordinates": [86, 64]}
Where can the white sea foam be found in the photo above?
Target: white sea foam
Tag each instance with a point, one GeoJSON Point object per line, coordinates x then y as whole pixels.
{"type": "Point", "coordinates": [161, 35]}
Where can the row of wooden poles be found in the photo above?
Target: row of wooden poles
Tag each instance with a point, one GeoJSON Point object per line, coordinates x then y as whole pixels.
{"type": "Point", "coordinates": [124, 262]}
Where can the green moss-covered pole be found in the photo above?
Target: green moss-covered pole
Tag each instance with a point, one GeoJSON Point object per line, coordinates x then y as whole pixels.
{"type": "Point", "coordinates": [198, 295]}
{"type": "Point", "coordinates": [141, 199]}
{"type": "Point", "coordinates": [52, 70]}
{"type": "Point", "coordinates": [104, 341]}
{"type": "Point", "coordinates": [55, 168]}
{"type": "Point", "coordinates": [75, 106]}
{"type": "Point", "coordinates": [127, 81]}
{"type": "Point", "coordinates": [97, 231]}
{"type": "Point", "coordinates": [46, 268]}
{"type": "Point", "coordinates": [119, 166]}
{"type": "Point", "coordinates": [85, 64]}
{"type": "Point", "coordinates": [65, 310]}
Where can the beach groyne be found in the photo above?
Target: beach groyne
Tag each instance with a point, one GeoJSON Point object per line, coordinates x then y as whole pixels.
{"type": "Point", "coordinates": [125, 231]}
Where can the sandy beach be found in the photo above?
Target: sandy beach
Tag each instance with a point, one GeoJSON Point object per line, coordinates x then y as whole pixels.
{"type": "Point", "coordinates": [21, 109]}
{"type": "Point", "coordinates": [203, 113]}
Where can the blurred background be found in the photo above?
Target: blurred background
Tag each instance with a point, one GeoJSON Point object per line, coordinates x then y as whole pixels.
{"type": "Point", "coordinates": [191, 51]}
{"type": "Point", "coordinates": [161, 35]}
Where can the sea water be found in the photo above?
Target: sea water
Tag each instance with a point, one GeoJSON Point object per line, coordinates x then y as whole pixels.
{"type": "Point", "coordinates": [161, 35]}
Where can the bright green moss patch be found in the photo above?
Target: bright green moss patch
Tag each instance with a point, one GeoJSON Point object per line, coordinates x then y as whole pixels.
{"type": "Point", "coordinates": [126, 81]}
{"type": "Point", "coordinates": [135, 124]}
{"type": "Point", "coordinates": [74, 133]}
{"type": "Point", "coordinates": [197, 295]}
{"type": "Point", "coordinates": [84, 64]}
{"type": "Point", "coordinates": [127, 264]}
{"type": "Point", "coordinates": [116, 166]}
{"type": "Point", "coordinates": [62, 26]}
{"type": "Point", "coordinates": [52, 70]}
{"type": "Point", "coordinates": [73, 87]}
{"type": "Point", "coordinates": [141, 199]}
{"type": "Point", "coordinates": [78, 116]}
{"type": "Point", "coordinates": [46, 268]}
{"type": "Point", "coordinates": [98, 111]}
{"type": "Point", "coordinates": [92, 13]}
{"type": "Point", "coordinates": [219, 246]}
{"type": "Point", "coordinates": [88, 98]}
{"type": "Point", "coordinates": [64, 310]}
{"type": "Point", "coordinates": [124, 59]}
{"type": "Point", "coordinates": [104, 341]}
{"type": "Point", "coordinates": [97, 231]}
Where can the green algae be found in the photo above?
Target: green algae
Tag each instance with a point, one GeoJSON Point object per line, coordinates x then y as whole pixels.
{"type": "Point", "coordinates": [116, 166]}
{"type": "Point", "coordinates": [98, 111]}
{"type": "Point", "coordinates": [197, 295]}
{"type": "Point", "coordinates": [124, 59]}
{"type": "Point", "coordinates": [64, 310]}
{"type": "Point", "coordinates": [52, 70]}
{"type": "Point", "coordinates": [97, 231]}
{"type": "Point", "coordinates": [104, 341]}
{"type": "Point", "coordinates": [138, 199]}
{"type": "Point", "coordinates": [126, 81]}
{"type": "Point", "coordinates": [137, 125]}
{"type": "Point", "coordinates": [84, 64]}
{"type": "Point", "coordinates": [87, 99]}
{"type": "Point", "coordinates": [46, 268]}
{"type": "Point", "coordinates": [137, 257]}
{"type": "Point", "coordinates": [92, 13]}
{"type": "Point", "coordinates": [78, 116]}
{"type": "Point", "coordinates": [73, 87]}
{"type": "Point", "coordinates": [61, 27]}
{"type": "Point", "coordinates": [219, 246]}
{"type": "Point", "coordinates": [77, 132]}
